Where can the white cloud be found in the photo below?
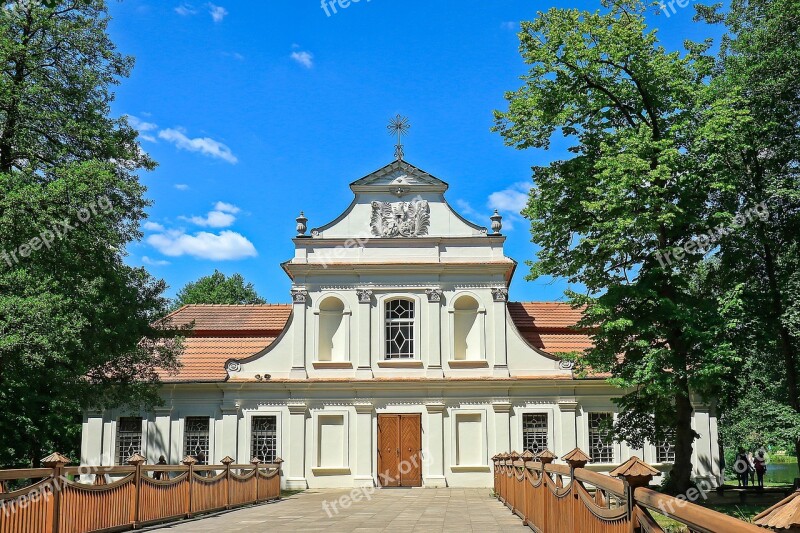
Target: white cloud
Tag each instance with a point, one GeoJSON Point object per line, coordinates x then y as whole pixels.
{"type": "Point", "coordinates": [148, 138]}
{"type": "Point", "coordinates": [154, 262]}
{"type": "Point", "coordinates": [509, 25]}
{"type": "Point", "coordinates": [513, 199]}
{"type": "Point", "coordinates": [304, 58]}
{"type": "Point", "coordinates": [181, 186]}
{"type": "Point", "coordinates": [220, 217]}
{"type": "Point", "coordinates": [204, 145]}
{"type": "Point", "coordinates": [217, 12]}
{"type": "Point", "coordinates": [227, 245]}
{"type": "Point", "coordinates": [140, 124]}
{"type": "Point", "coordinates": [185, 10]}
{"type": "Point", "coordinates": [153, 226]}
{"type": "Point", "coordinates": [465, 208]}
{"type": "Point", "coordinates": [227, 208]}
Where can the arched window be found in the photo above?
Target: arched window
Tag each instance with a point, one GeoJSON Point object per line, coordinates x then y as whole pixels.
{"type": "Point", "coordinates": [399, 329]}
{"type": "Point", "coordinates": [332, 343]}
{"type": "Point", "coordinates": [467, 340]}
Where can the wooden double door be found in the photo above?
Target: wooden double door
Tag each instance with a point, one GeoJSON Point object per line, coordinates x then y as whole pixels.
{"type": "Point", "coordinates": [400, 450]}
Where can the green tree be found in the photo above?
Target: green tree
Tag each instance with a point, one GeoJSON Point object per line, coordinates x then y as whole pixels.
{"type": "Point", "coordinates": [644, 127]}
{"type": "Point", "coordinates": [78, 328]}
{"type": "Point", "coordinates": [759, 72]}
{"type": "Point", "coordinates": [218, 289]}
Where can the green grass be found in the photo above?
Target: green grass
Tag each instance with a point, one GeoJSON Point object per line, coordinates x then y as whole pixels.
{"type": "Point", "coordinates": [744, 512]}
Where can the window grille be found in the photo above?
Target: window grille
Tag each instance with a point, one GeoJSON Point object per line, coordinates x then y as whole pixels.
{"type": "Point", "coordinates": [399, 329]}
{"type": "Point", "coordinates": [665, 450]}
{"type": "Point", "coordinates": [129, 438]}
{"type": "Point", "coordinates": [534, 432]}
{"type": "Point", "coordinates": [601, 448]}
{"type": "Point", "coordinates": [264, 439]}
{"type": "Point", "coordinates": [196, 438]}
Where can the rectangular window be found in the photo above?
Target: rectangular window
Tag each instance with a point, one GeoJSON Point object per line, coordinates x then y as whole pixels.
{"type": "Point", "coordinates": [129, 438]}
{"type": "Point", "coordinates": [196, 438]}
{"type": "Point", "coordinates": [601, 448]}
{"type": "Point", "coordinates": [665, 451]}
{"type": "Point", "coordinates": [534, 432]}
{"type": "Point", "coordinates": [264, 438]}
{"type": "Point", "coordinates": [399, 329]}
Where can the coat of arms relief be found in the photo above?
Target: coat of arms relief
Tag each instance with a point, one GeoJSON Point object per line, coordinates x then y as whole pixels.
{"type": "Point", "coordinates": [400, 219]}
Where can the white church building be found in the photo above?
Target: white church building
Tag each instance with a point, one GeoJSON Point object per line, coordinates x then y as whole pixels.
{"type": "Point", "coordinates": [399, 362]}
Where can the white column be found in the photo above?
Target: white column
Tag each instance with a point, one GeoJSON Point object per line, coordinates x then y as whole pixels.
{"type": "Point", "coordinates": [435, 448]}
{"type": "Point", "coordinates": [295, 447]}
{"type": "Point", "coordinates": [567, 427]}
{"type": "Point", "coordinates": [364, 343]}
{"type": "Point", "coordinates": [502, 427]}
{"type": "Point", "coordinates": [364, 447]}
{"type": "Point", "coordinates": [227, 436]}
{"type": "Point", "coordinates": [92, 439]}
{"type": "Point", "coordinates": [159, 436]}
{"type": "Point", "coordinates": [299, 297]}
{"type": "Point", "coordinates": [434, 348]}
{"type": "Point", "coordinates": [706, 450]}
{"type": "Point", "coordinates": [499, 347]}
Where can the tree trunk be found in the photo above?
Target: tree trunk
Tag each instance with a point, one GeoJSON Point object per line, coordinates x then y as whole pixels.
{"type": "Point", "coordinates": [680, 477]}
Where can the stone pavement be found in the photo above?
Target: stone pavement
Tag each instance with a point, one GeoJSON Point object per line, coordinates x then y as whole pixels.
{"type": "Point", "coordinates": [401, 510]}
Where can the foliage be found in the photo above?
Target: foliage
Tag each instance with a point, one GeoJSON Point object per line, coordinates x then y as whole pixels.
{"type": "Point", "coordinates": [641, 182]}
{"type": "Point", "coordinates": [218, 289]}
{"type": "Point", "coordinates": [79, 327]}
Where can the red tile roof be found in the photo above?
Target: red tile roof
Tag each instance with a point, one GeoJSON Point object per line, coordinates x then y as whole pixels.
{"type": "Point", "coordinates": [549, 326]}
{"type": "Point", "coordinates": [223, 332]}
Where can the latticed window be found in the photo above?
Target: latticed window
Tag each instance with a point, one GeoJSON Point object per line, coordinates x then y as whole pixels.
{"type": "Point", "coordinates": [264, 438]}
{"type": "Point", "coordinates": [534, 432]}
{"type": "Point", "coordinates": [399, 329]}
{"type": "Point", "coordinates": [665, 450]}
{"type": "Point", "coordinates": [196, 438]}
{"type": "Point", "coordinates": [129, 438]}
{"type": "Point", "coordinates": [601, 448]}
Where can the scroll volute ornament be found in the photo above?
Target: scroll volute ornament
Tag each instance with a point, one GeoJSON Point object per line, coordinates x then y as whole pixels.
{"type": "Point", "coordinates": [576, 458]}
{"type": "Point", "coordinates": [635, 472]}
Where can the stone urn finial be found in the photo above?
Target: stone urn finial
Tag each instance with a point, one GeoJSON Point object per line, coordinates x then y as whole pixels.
{"type": "Point", "coordinates": [497, 222]}
{"type": "Point", "coordinates": [301, 224]}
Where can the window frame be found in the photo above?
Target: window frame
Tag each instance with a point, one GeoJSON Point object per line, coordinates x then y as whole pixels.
{"type": "Point", "coordinates": [610, 446]}
{"type": "Point", "coordinates": [413, 322]}
{"type": "Point", "coordinates": [119, 432]}
{"type": "Point", "coordinates": [207, 420]}
{"type": "Point", "coordinates": [251, 434]}
{"type": "Point", "coordinates": [546, 430]}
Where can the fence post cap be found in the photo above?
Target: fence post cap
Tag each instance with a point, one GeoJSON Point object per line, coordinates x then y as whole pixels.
{"type": "Point", "coordinates": [226, 460]}
{"type": "Point", "coordinates": [528, 455]}
{"type": "Point", "coordinates": [576, 458]}
{"type": "Point", "coordinates": [255, 461]}
{"type": "Point", "coordinates": [189, 460]}
{"type": "Point", "coordinates": [514, 455]}
{"type": "Point", "coordinates": [278, 460]}
{"type": "Point", "coordinates": [55, 459]}
{"type": "Point", "coordinates": [545, 456]}
{"type": "Point", "coordinates": [635, 472]}
{"type": "Point", "coordinates": [136, 460]}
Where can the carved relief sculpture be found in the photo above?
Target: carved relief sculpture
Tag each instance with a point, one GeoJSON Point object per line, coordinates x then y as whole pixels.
{"type": "Point", "coordinates": [400, 219]}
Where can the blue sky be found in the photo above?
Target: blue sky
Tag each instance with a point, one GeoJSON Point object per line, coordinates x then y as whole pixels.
{"type": "Point", "coordinates": [256, 110]}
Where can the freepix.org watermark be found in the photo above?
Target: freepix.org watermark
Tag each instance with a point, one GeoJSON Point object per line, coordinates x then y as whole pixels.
{"type": "Point", "coordinates": [331, 7]}
{"type": "Point", "coordinates": [59, 230]}
{"type": "Point", "coordinates": [706, 241]}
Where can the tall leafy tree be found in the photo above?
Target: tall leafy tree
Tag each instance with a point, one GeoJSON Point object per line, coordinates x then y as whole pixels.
{"type": "Point", "coordinates": [218, 289]}
{"type": "Point", "coordinates": [759, 72]}
{"type": "Point", "coordinates": [639, 184]}
{"type": "Point", "coordinates": [78, 328]}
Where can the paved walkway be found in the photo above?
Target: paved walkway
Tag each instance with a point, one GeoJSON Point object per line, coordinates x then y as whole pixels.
{"type": "Point", "coordinates": [401, 510]}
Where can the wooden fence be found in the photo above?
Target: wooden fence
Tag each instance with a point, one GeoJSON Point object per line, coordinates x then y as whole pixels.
{"type": "Point", "coordinates": [553, 498]}
{"type": "Point", "coordinates": [127, 497]}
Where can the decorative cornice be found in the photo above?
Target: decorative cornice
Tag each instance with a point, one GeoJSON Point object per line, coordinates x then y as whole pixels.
{"type": "Point", "coordinates": [501, 406]}
{"type": "Point", "coordinates": [435, 407]}
{"type": "Point", "coordinates": [434, 295]}
{"type": "Point", "coordinates": [297, 408]}
{"type": "Point", "coordinates": [364, 296]}
{"type": "Point", "coordinates": [363, 407]}
{"type": "Point", "coordinates": [500, 294]}
{"type": "Point", "coordinates": [568, 405]}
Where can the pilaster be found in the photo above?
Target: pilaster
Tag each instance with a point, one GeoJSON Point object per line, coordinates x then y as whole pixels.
{"type": "Point", "coordinates": [499, 327]}
{"type": "Point", "coordinates": [364, 448]}
{"type": "Point", "coordinates": [299, 297]}
{"type": "Point", "coordinates": [227, 439]}
{"type": "Point", "coordinates": [567, 436]}
{"type": "Point", "coordinates": [295, 447]}
{"type": "Point", "coordinates": [434, 366]}
{"type": "Point", "coordinates": [502, 427]}
{"type": "Point", "coordinates": [160, 436]}
{"type": "Point", "coordinates": [435, 462]}
{"type": "Point", "coordinates": [364, 344]}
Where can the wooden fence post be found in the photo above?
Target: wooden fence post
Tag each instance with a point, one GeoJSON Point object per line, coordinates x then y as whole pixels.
{"type": "Point", "coordinates": [57, 462]}
{"type": "Point", "coordinates": [545, 457]}
{"type": "Point", "coordinates": [576, 459]}
{"type": "Point", "coordinates": [635, 473]}
{"type": "Point", "coordinates": [190, 462]}
{"type": "Point", "coordinates": [137, 460]}
{"type": "Point", "coordinates": [227, 462]}
{"type": "Point", "coordinates": [527, 457]}
{"type": "Point", "coordinates": [255, 462]}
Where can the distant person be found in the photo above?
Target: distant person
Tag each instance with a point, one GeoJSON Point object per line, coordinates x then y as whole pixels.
{"type": "Point", "coordinates": [760, 466]}
{"type": "Point", "coordinates": [751, 468]}
{"type": "Point", "coordinates": [742, 467]}
{"type": "Point", "coordinates": [159, 474]}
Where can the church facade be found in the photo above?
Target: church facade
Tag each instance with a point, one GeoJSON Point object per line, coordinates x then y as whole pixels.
{"type": "Point", "coordinates": [399, 362]}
